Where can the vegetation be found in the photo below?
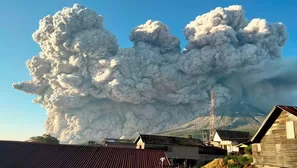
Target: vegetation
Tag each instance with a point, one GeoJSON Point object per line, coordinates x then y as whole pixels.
{"type": "Point", "coordinates": [231, 161]}
{"type": "Point", "coordinates": [248, 150]}
{"type": "Point", "coordinates": [45, 138]}
{"type": "Point", "coordinates": [216, 163]}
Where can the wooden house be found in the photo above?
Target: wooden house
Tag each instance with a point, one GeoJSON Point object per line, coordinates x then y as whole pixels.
{"type": "Point", "coordinates": [230, 140]}
{"type": "Point", "coordinates": [275, 143]}
{"type": "Point", "coordinates": [179, 150]}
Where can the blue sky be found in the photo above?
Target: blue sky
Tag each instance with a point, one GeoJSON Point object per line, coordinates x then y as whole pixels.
{"type": "Point", "coordinates": [20, 118]}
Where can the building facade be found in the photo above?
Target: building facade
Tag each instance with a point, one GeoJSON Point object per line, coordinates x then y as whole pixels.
{"type": "Point", "coordinates": [230, 140]}
{"type": "Point", "coordinates": [275, 143]}
{"type": "Point", "coordinates": [180, 151]}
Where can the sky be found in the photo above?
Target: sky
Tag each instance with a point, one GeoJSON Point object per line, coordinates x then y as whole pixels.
{"type": "Point", "coordinates": [21, 119]}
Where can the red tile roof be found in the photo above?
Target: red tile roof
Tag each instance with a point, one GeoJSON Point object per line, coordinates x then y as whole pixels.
{"type": "Point", "coordinates": [34, 155]}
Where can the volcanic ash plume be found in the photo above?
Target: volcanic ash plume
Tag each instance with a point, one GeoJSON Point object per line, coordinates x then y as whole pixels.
{"type": "Point", "coordinates": [91, 88]}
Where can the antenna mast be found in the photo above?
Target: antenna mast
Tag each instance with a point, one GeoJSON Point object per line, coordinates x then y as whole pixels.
{"type": "Point", "coordinates": [212, 117]}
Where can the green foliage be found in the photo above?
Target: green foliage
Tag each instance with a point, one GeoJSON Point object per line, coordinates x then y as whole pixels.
{"type": "Point", "coordinates": [233, 161]}
{"type": "Point", "coordinates": [45, 138]}
{"type": "Point", "coordinates": [190, 136]}
{"type": "Point", "coordinates": [248, 150]}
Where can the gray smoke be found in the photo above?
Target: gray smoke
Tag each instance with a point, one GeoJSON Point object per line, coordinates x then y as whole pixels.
{"type": "Point", "coordinates": [91, 88]}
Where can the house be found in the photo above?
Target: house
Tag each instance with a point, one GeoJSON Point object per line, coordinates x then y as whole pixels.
{"type": "Point", "coordinates": [230, 140]}
{"type": "Point", "coordinates": [37, 155]}
{"type": "Point", "coordinates": [241, 146]}
{"type": "Point", "coordinates": [180, 151]}
{"type": "Point", "coordinates": [275, 144]}
{"type": "Point", "coordinates": [119, 143]}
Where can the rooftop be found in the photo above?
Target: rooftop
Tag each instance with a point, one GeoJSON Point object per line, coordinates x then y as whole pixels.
{"type": "Point", "coordinates": [122, 141]}
{"type": "Point", "coordinates": [37, 155]}
{"type": "Point", "coordinates": [271, 117]}
{"type": "Point", "coordinates": [229, 135]}
{"type": "Point", "coordinates": [168, 140]}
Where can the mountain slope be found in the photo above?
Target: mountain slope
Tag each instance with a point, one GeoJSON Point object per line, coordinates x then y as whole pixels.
{"type": "Point", "coordinates": [248, 119]}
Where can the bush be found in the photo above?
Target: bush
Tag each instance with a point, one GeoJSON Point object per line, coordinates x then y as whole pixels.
{"type": "Point", "coordinates": [45, 138]}
{"type": "Point", "coordinates": [248, 150]}
{"type": "Point", "coordinates": [233, 161]}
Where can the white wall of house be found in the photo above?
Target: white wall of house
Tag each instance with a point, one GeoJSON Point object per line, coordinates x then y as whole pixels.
{"type": "Point", "coordinates": [229, 149]}
{"type": "Point", "coordinates": [235, 149]}
{"type": "Point", "coordinates": [217, 138]}
{"type": "Point", "coordinates": [140, 144]}
{"type": "Point", "coordinates": [230, 146]}
{"type": "Point", "coordinates": [226, 142]}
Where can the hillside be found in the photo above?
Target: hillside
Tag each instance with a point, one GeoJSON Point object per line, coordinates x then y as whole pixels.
{"type": "Point", "coordinates": [197, 126]}
{"type": "Point", "coordinates": [241, 117]}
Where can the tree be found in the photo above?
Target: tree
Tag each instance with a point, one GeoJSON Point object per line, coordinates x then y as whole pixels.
{"type": "Point", "coordinates": [45, 138]}
{"type": "Point", "coordinates": [248, 150]}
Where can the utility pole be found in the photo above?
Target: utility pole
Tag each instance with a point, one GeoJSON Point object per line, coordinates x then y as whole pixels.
{"type": "Point", "coordinates": [212, 117]}
{"type": "Point", "coordinates": [162, 160]}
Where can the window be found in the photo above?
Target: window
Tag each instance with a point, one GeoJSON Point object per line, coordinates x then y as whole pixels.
{"type": "Point", "coordinates": [277, 147]}
{"type": "Point", "coordinates": [290, 130]}
{"type": "Point", "coordinates": [259, 147]}
{"type": "Point", "coordinates": [224, 147]}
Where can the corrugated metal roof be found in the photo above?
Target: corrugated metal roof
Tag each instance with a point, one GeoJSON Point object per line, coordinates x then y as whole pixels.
{"type": "Point", "coordinates": [212, 150]}
{"type": "Point", "coordinates": [290, 109]}
{"type": "Point", "coordinates": [230, 135]}
{"type": "Point", "coordinates": [34, 155]}
{"type": "Point", "coordinates": [168, 140]}
{"type": "Point", "coordinates": [269, 120]}
{"type": "Point", "coordinates": [125, 141]}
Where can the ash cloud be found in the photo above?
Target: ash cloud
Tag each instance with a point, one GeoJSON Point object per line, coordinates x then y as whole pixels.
{"type": "Point", "coordinates": [91, 88]}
